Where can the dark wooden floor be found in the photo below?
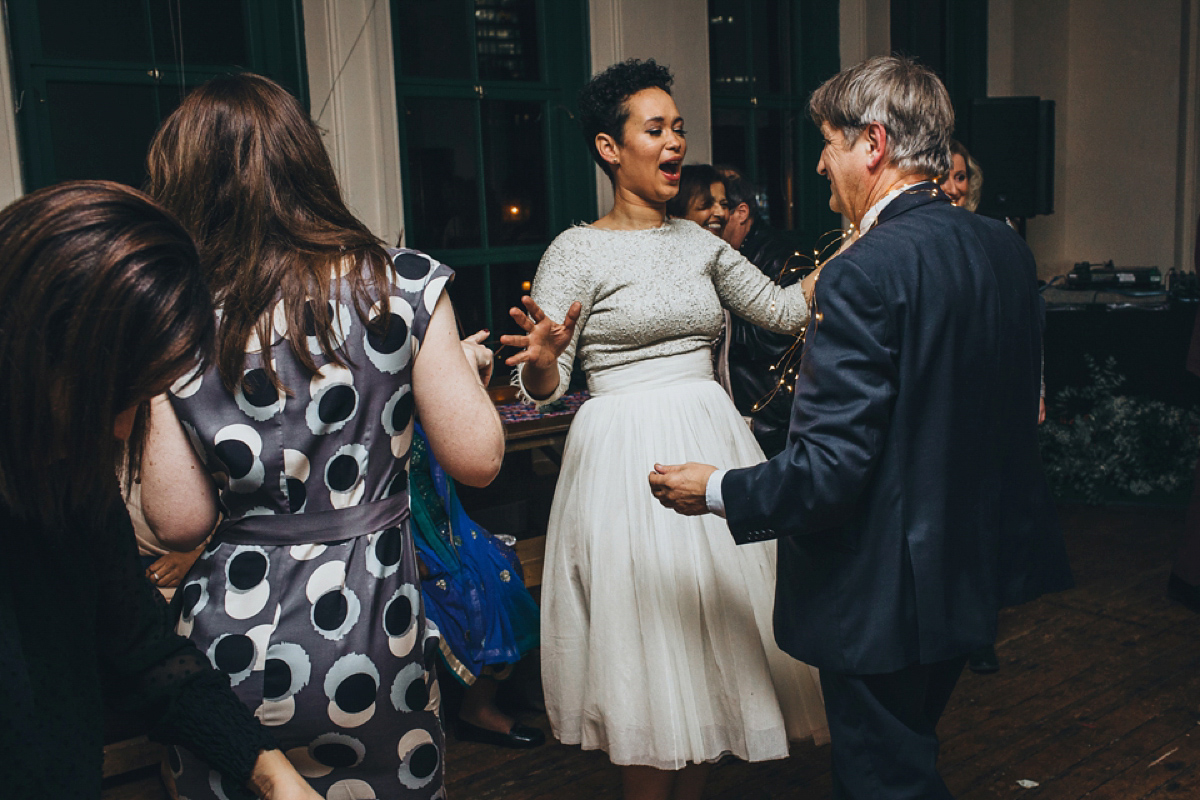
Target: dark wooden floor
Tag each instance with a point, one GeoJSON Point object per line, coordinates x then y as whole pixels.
{"type": "Point", "coordinates": [1098, 696]}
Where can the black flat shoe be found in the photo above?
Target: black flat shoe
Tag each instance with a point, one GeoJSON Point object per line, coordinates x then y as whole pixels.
{"type": "Point", "coordinates": [1183, 593]}
{"type": "Point", "coordinates": [519, 737]}
{"type": "Point", "coordinates": [983, 661]}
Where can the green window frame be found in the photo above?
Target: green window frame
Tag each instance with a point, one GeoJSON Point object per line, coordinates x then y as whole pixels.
{"type": "Point", "coordinates": [950, 37]}
{"type": "Point", "coordinates": [766, 57]}
{"type": "Point", "coordinates": [52, 88]}
{"type": "Point", "coordinates": [492, 273]}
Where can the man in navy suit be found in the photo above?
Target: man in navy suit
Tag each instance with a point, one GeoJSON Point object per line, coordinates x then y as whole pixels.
{"type": "Point", "coordinates": [909, 502]}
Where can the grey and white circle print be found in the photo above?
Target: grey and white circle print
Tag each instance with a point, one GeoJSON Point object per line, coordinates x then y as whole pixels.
{"type": "Point", "coordinates": [319, 624]}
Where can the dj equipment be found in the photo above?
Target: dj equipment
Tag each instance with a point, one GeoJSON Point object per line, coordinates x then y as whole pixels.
{"type": "Point", "coordinates": [1086, 275]}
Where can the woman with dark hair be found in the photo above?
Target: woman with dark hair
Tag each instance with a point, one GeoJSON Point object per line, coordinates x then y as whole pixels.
{"type": "Point", "coordinates": [657, 642]}
{"type": "Point", "coordinates": [101, 307]}
{"type": "Point", "coordinates": [308, 596]}
{"type": "Point", "coordinates": [701, 198]}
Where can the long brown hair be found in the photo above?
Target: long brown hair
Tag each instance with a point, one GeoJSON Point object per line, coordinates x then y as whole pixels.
{"type": "Point", "coordinates": [243, 167]}
{"type": "Point", "coordinates": [102, 306]}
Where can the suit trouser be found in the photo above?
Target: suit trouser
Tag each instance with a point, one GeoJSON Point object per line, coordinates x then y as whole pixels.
{"type": "Point", "coordinates": [884, 743]}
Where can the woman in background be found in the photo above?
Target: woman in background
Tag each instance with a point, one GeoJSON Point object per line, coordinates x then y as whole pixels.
{"type": "Point", "coordinates": [101, 307]}
{"type": "Point", "coordinates": [308, 595]}
{"type": "Point", "coordinates": [964, 183]}
{"type": "Point", "coordinates": [476, 595]}
{"type": "Point", "coordinates": [701, 198]}
{"type": "Point", "coordinates": [964, 186]}
{"type": "Point", "coordinates": [657, 642]}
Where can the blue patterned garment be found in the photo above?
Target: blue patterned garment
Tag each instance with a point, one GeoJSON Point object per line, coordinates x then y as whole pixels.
{"type": "Point", "coordinates": [308, 596]}
{"type": "Point", "coordinates": [473, 587]}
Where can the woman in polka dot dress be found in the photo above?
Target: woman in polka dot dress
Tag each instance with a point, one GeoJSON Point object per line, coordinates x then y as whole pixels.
{"type": "Point", "coordinates": [308, 596]}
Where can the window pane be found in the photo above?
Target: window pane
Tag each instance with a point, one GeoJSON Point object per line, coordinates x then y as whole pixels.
{"type": "Point", "coordinates": [506, 39]}
{"type": "Point", "coordinates": [433, 38]}
{"type": "Point", "coordinates": [509, 283]}
{"type": "Point", "coordinates": [731, 138]}
{"type": "Point", "coordinates": [100, 130]}
{"type": "Point", "coordinates": [514, 153]}
{"type": "Point", "coordinates": [469, 294]}
{"type": "Point", "coordinates": [85, 30]}
{"type": "Point", "coordinates": [772, 53]}
{"type": "Point", "coordinates": [776, 166]}
{"type": "Point", "coordinates": [200, 32]}
{"type": "Point", "coordinates": [443, 172]}
{"type": "Point", "coordinates": [729, 63]}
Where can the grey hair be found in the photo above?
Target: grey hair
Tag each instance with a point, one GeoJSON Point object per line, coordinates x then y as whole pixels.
{"type": "Point", "coordinates": [907, 99]}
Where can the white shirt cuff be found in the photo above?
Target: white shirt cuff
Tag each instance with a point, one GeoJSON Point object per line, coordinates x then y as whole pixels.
{"type": "Point", "coordinates": [712, 493]}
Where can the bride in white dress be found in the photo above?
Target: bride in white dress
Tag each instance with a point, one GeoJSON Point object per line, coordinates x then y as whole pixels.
{"type": "Point", "coordinates": [657, 641]}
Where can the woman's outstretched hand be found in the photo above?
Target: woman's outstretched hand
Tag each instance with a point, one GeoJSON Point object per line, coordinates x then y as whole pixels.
{"type": "Point", "coordinates": [544, 339]}
{"type": "Point", "coordinates": [479, 355]}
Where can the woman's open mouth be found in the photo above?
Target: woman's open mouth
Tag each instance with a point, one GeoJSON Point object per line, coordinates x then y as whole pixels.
{"type": "Point", "coordinates": [670, 170]}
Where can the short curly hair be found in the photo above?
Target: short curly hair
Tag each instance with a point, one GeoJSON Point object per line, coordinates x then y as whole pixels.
{"type": "Point", "coordinates": [602, 100]}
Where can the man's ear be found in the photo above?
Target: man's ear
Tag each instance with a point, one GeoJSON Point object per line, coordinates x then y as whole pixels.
{"type": "Point", "coordinates": [877, 142]}
{"type": "Point", "coordinates": [608, 148]}
{"type": "Point", "coordinates": [740, 213]}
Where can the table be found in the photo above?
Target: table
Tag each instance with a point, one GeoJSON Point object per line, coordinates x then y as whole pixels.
{"type": "Point", "coordinates": [1147, 334]}
{"type": "Point", "coordinates": [527, 427]}
{"type": "Point", "coordinates": [518, 501]}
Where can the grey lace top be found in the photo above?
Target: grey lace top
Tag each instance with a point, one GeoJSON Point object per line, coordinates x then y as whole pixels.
{"type": "Point", "coordinates": [652, 293]}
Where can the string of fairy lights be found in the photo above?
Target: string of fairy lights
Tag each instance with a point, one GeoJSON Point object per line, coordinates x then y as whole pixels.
{"type": "Point", "coordinates": [836, 240]}
{"type": "Point", "coordinates": [785, 368]}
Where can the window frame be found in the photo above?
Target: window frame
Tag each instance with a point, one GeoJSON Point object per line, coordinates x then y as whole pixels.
{"type": "Point", "coordinates": [564, 66]}
{"type": "Point", "coordinates": [275, 40]}
{"type": "Point", "coordinates": [814, 57]}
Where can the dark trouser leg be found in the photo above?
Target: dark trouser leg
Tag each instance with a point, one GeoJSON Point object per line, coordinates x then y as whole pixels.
{"type": "Point", "coordinates": [1185, 568]}
{"type": "Point", "coordinates": [884, 743]}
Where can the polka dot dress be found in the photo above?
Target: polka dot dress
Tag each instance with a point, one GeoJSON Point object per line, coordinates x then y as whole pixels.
{"type": "Point", "coordinates": [326, 639]}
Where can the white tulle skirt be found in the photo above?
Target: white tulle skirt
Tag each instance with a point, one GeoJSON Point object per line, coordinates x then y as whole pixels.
{"type": "Point", "coordinates": [657, 642]}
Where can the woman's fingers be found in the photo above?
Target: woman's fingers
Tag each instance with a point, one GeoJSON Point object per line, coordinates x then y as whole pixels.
{"type": "Point", "coordinates": [514, 340]}
{"type": "Point", "coordinates": [518, 358]}
{"type": "Point", "coordinates": [533, 308]}
{"type": "Point", "coordinates": [522, 319]}
{"type": "Point", "coordinates": [478, 337]}
{"type": "Point", "coordinates": [572, 316]}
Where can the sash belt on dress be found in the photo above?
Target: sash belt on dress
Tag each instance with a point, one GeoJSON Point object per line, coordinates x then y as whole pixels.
{"type": "Point", "coordinates": [315, 527]}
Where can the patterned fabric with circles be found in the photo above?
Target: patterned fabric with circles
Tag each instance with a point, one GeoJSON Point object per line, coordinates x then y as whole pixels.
{"type": "Point", "coordinates": [327, 643]}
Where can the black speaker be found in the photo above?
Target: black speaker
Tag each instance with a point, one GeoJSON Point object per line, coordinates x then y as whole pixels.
{"type": "Point", "coordinates": [1012, 138]}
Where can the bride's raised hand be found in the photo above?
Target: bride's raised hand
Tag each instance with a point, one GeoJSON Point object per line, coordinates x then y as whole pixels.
{"type": "Point", "coordinates": [544, 339]}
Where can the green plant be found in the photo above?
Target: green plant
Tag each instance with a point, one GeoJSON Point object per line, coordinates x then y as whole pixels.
{"type": "Point", "coordinates": [1101, 445]}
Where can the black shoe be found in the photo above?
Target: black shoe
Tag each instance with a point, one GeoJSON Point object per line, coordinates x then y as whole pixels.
{"type": "Point", "coordinates": [1183, 593]}
{"type": "Point", "coordinates": [519, 737]}
{"type": "Point", "coordinates": [983, 661]}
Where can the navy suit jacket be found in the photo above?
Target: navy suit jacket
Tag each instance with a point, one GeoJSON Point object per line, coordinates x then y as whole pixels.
{"type": "Point", "coordinates": [910, 503]}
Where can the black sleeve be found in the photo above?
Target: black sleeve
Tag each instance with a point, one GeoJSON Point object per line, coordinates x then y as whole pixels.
{"type": "Point", "coordinates": [148, 669]}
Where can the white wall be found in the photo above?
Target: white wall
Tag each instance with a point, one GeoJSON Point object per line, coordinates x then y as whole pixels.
{"type": "Point", "coordinates": [865, 30]}
{"type": "Point", "coordinates": [10, 160]}
{"type": "Point", "coordinates": [352, 89]}
{"type": "Point", "coordinates": [1187, 193]}
{"type": "Point", "coordinates": [1124, 79]}
{"type": "Point", "coordinates": [672, 32]}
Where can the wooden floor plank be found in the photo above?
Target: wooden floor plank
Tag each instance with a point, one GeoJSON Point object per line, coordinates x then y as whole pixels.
{"type": "Point", "coordinates": [1096, 685]}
